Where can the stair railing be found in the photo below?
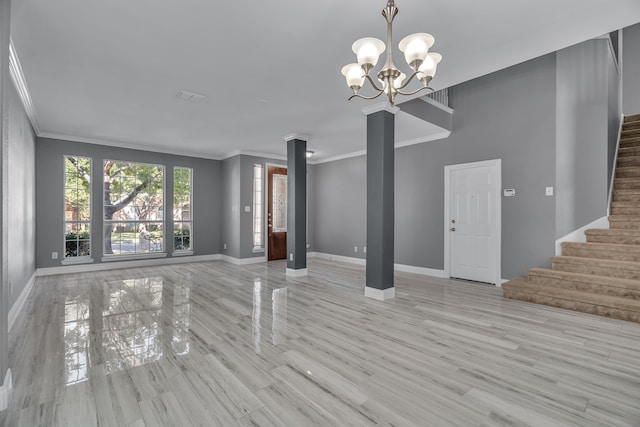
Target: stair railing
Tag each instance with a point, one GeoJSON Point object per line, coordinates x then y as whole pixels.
{"type": "Point", "coordinates": [613, 169]}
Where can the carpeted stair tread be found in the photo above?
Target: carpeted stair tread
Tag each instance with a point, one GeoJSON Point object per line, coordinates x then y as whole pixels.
{"type": "Point", "coordinates": [595, 266]}
{"type": "Point", "coordinates": [632, 133]}
{"type": "Point", "coordinates": [609, 286]}
{"type": "Point", "coordinates": [632, 118]}
{"type": "Point", "coordinates": [613, 235]}
{"type": "Point", "coordinates": [617, 308]}
{"type": "Point", "coordinates": [631, 125]}
{"type": "Point", "coordinates": [629, 160]}
{"type": "Point", "coordinates": [630, 142]}
{"type": "Point", "coordinates": [628, 150]}
{"type": "Point", "coordinates": [628, 172]}
{"type": "Point", "coordinates": [627, 195]}
{"type": "Point", "coordinates": [602, 251]}
{"type": "Point", "coordinates": [626, 183]}
{"type": "Point", "coordinates": [624, 221]}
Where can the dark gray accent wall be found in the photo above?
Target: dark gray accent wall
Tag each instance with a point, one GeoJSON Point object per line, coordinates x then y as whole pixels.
{"type": "Point", "coordinates": [207, 196]}
{"type": "Point", "coordinates": [380, 199]}
{"type": "Point", "coordinates": [21, 215]}
{"type": "Point", "coordinates": [510, 115]}
{"type": "Point", "coordinates": [296, 204]}
{"type": "Point", "coordinates": [631, 70]}
{"type": "Point", "coordinates": [585, 73]}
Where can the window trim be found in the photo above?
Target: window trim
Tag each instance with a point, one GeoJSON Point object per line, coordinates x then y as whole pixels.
{"type": "Point", "coordinates": [190, 251]}
{"type": "Point", "coordinates": [104, 222]}
{"type": "Point", "coordinates": [259, 211]}
{"type": "Point", "coordinates": [84, 259]}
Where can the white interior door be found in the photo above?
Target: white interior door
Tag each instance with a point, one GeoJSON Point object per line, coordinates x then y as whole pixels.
{"type": "Point", "coordinates": [473, 227]}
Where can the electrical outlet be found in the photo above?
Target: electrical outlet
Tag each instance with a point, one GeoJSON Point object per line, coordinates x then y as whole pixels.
{"type": "Point", "coordinates": [224, 246]}
{"type": "Point", "coordinates": [291, 256]}
{"type": "Point", "coordinates": [10, 287]}
{"type": "Point", "coordinates": [549, 191]}
{"type": "Point", "coordinates": [355, 249]}
{"type": "Point", "coordinates": [54, 255]}
{"type": "Point", "coordinates": [364, 249]}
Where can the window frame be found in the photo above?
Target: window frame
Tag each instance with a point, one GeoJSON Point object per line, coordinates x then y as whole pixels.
{"type": "Point", "coordinates": [190, 251]}
{"type": "Point", "coordinates": [84, 259]}
{"type": "Point", "coordinates": [258, 207]}
{"type": "Point", "coordinates": [162, 206]}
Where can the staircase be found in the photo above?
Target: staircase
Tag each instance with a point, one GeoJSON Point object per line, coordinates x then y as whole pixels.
{"type": "Point", "coordinates": [601, 276]}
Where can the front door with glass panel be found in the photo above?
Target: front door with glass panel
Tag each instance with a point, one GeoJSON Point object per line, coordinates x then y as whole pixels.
{"type": "Point", "coordinates": [277, 213]}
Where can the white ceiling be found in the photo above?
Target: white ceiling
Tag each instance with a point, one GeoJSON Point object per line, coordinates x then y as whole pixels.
{"type": "Point", "coordinates": [109, 71]}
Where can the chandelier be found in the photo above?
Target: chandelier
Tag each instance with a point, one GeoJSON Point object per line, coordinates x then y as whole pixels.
{"type": "Point", "coordinates": [416, 52]}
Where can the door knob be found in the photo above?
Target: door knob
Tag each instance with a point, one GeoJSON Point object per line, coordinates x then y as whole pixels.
{"type": "Point", "coordinates": [452, 229]}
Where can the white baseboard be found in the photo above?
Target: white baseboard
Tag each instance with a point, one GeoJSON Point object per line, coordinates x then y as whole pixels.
{"type": "Point", "coordinates": [397, 267]}
{"type": "Point", "coordinates": [6, 390]}
{"type": "Point", "coordinates": [578, 235]}
{"type": "Point", "coordinates": [242, 261]}
{"type": "Point", "coordinates": [85, 268]}
{"type": "Point", "coordinates": [331, 257]}
{"type": "Point", "coordinates": [423, 271]}
{"type": "Point", "coordinates": [300, 272]}
{"type": "Point", "coordinates": [22, 299]}
{"type": "Point", "coordinates": [380, 294]}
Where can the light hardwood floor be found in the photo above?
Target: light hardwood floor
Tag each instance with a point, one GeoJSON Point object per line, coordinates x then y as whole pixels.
{"type": "Point", "coordinates": [215, 344]}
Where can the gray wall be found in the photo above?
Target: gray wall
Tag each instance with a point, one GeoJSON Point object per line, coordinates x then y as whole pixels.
{"type": "Point", "coordinates": [509, 115]}
{"type": "Point", "coordinates": [631, 69]}
{"type": "Point", "coordinates": [583, 84]}
{"type": "Point", "coordinates": [207, 195]}
{"type": "Point", "coordinates": [5, 14]}
{"type": "Point", "coordinates": [231, 207]}
{"type": "Point", "coordinates": [339, 193]}
{"type": "Point", "coordinates": [21, 215]}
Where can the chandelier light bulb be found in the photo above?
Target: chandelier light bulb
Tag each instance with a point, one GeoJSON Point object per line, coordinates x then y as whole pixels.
{"type": "Point", "coordinates": [415, 48]}
{"type": "Point", "coordinates": [354, 76]}
{"type": "Point", "coordinates": [429, 66]}
{"type": "Point", "coordinates": [368, 50]}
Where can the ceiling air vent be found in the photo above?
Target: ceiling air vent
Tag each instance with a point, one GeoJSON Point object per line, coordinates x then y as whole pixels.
{"type": "Point", "coordinates": [190, 96]}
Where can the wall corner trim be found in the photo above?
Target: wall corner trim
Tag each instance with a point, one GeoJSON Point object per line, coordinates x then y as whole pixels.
{"type": "Point", "coordinates": [18, 306]}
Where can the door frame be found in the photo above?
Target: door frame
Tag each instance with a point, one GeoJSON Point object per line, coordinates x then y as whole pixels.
{"type": "Point", "coordinates": [265, 208]}
{"type": "Point", "coordinates": [497, 216]}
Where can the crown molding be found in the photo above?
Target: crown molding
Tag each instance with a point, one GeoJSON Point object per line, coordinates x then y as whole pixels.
{"type": "Point", "coordinates": [129, 145]}
{"type": "Point", "coordinates": [15, 70]}
{"type": "Point", "coordinates": [254, 154]}
{"type": "Point", "coordinates": [298, 136]}
{"type": "Point", "coordinates": [380, 106]}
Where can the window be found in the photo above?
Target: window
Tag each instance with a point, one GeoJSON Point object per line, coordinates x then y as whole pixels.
{"type": "Point", "coordinates": [133, 208]}
{"type": "Point", "coordinates": [257, 207]}
{"type": "Point", "coordinates": [77, 207]}
{"type": "Point", "coordinates": [182, 220]}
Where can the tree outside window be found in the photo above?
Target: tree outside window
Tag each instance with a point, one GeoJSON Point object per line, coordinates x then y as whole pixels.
{"type": "Point", "coordinates": [133, 208]}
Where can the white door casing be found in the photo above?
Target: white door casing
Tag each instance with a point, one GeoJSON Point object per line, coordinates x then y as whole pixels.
{"type": "Point", "coordinates": [473, 221]}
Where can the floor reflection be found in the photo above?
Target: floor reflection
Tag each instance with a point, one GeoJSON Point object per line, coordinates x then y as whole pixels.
{"type": "Point", "coordinates": [279, 306]}
{"type": "Point", "coordinates": [132, 322]}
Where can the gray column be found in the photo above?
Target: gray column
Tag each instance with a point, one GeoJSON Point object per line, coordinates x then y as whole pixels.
{"type": "Point", "coordinates": [296, 205]}
{"type": "Point", "coordinates": [380, 201]}
{"type": "Point", "coordinates": [5, 372]}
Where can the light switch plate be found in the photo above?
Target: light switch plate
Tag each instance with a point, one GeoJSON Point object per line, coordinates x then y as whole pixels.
{"type": "Point", "coordinates": [549, 191]}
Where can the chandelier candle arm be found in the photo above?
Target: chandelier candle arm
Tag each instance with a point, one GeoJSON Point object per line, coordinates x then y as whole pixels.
{"type": "Point", "coordinates": [416, 53]}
